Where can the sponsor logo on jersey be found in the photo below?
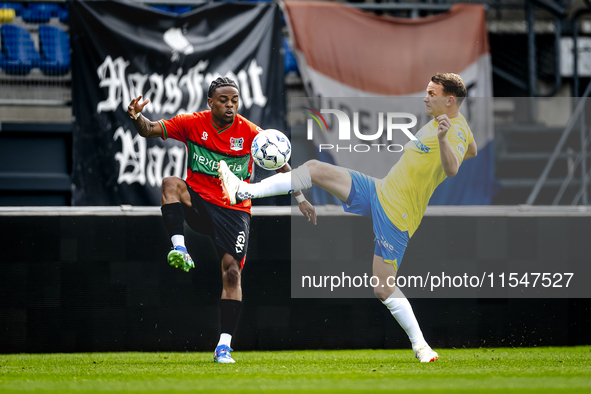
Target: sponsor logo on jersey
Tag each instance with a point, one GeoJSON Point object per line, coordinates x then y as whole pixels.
{"type": "Point", "coordinates": [461, 136]}
{"type": "Point", "coordinates": [212, 165]}
{"type": "Point", "coordinates": [461, 150]}
{"type": "Point", "coordinates": [207, 161]}
{"type": "Point", "coordinates": [240, 240]}
{"type": "Point", "coordinates": [204, 136]}
{"type": "Point", "coordinates": [422, 147]}
{"type": "Point", "coordinates": [236, 143]}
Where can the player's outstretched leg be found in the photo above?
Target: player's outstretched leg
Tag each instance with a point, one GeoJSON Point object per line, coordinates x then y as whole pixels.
{"type": "Point", "coordinates": [174, 191]}
{"type": "Point", "coordinates": [336, 180]}
{"type": "Point", "coordinates": [401, 310]}
{"type": "Point", "coordinates": [230, 185]}
{"type": "Point", "coordinates": [235, 190]}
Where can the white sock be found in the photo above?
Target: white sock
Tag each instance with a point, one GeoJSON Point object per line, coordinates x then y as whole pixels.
{"type": "Point", "coordinates": [301, 178]}
{"type": "Point", "coordinates": [178, 240]}
{"type": "Point", "coordinates": [283, 183]}
{"type": "Point", "coordinates": [402, 311]}
{"type": "Point", "coordinates": [225, 339]}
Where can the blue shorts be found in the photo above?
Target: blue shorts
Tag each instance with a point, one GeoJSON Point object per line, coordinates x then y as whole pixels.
{"type": "Point", "coordinates": [363, 200]}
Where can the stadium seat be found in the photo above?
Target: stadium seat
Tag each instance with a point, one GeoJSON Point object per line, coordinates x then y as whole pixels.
{"type": "Point", "coordinates": [52, 8]}
{"type": "Point", "coordinates": [20, 55]}
{"type": "Point", "coordinates": [64, 14]}
{"type": "Point", "coordinates": [181, 9]}
{"type": "Point", "coordinates": [54, 45]}
{"type": "Point", "coordinates": [164, 8]}
{"type": "Point", "coordinates": [290, 61]}
{"type": "Point", "coordinates": [32, 16]}
{"type": "Point", "coordinates": [17, 7]}
{"type": "Point", "coordinates": [40, 12]}
{"type": "Point", "coordinates": [6, 15]}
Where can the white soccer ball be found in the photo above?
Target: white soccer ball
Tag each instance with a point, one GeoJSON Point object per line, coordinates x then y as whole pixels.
{"type": "Point", "coordinates": [270, 149]}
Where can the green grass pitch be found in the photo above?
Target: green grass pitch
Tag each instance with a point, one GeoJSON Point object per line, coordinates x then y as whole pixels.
{"type": "Point", "coordinates": [539, 370]}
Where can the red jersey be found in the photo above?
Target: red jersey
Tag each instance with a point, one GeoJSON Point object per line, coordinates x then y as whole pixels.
{"type": "Point", "coordinates": [207, 144]}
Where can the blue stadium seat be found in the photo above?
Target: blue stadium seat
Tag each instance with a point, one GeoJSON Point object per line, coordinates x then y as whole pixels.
{"type": "Point", "coordinates": [54, 45]}
{"type": "Point", "coordinates": [20, 55]}
{"type": "Point", "coordinates": [17, 7]}
{"type": "Point", "coordinates": [40, 12]}
{"type": "Point", "coordinates": [64, 13]}
{"type": "Point", "coordinates": [181, 9]}
{"type": "Point", "coordinates": [52, 8]}
{"type": "Point", "coordinates": [290, 61]}
{"type": "Point", "coordinates": [32, 16]}
{"type": "Point", "coordinates": [164, 8]}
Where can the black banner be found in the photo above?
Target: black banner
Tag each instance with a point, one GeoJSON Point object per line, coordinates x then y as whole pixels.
{"type": "Point", "coordinates": [121, 50]}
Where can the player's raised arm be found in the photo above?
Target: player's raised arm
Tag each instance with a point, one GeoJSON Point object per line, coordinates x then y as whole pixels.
{"type": "Point", "coordinates": [304, 205]}
{"type": "Point", "coordinates": [449, 161]}
{"type": "Point", "coordinates": [142, 125]}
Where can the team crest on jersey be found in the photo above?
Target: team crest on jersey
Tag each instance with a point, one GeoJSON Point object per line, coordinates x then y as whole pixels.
{"type": "Point", "coordinates": [236, 143]}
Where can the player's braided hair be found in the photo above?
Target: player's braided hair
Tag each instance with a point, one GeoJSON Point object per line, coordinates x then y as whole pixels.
{"type": "Point", "coordinates": [452, 84]}
{"type": "Point", "coordinates": [220, 83]}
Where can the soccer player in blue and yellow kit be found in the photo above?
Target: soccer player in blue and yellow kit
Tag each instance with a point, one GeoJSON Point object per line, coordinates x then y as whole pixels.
{"type": "Point", "coordinates": [395, 203]}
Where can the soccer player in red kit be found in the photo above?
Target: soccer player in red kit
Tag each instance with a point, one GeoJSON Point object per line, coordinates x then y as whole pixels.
{"type": "Point", "coordinates": [210, 136]}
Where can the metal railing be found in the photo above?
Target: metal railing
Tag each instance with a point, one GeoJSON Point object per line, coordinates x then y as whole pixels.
{"type": "Point", "coordinates": [578, 118]}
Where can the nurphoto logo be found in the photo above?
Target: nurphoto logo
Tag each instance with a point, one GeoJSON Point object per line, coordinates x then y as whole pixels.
{"type": "Point", "coordinates": [392, 120]}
